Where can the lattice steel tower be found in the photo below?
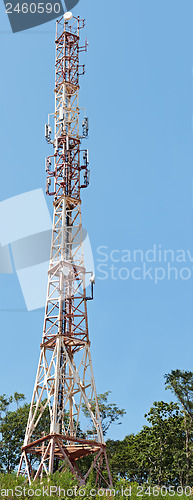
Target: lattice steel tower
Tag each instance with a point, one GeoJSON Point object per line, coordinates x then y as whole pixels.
{"type": "Point", "coordinates": [65, 377]}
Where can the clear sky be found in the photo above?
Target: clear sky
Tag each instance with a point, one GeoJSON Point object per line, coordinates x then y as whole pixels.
{"type": "Point", "coordinates": [138, 92]}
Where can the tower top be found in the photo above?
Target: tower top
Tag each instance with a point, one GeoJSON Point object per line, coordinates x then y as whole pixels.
{"type": "Point", "coordinates": [68, 16]}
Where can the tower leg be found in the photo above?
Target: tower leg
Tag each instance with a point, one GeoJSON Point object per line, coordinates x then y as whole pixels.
{"type": "Point", "coordinates": [108, 469]}
{"type": "Point", "coordinates": [51, 461]}
{"type": "Point", "coordinates": [57, 447]}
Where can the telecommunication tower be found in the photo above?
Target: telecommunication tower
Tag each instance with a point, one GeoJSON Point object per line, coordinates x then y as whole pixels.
{"type": "Point", "coordinates": [65, 379]}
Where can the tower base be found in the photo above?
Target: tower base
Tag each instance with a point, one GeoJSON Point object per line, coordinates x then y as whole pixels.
{"type": "Point", "coordinates": [68, 450]}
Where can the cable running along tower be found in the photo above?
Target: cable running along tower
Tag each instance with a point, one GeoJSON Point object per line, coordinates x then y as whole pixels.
{"type": "Point", "coordinates": [65, 377]}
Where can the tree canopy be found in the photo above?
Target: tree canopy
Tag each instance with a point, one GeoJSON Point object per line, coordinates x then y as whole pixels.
{"type": "Point", "coordinates": [160, 453]}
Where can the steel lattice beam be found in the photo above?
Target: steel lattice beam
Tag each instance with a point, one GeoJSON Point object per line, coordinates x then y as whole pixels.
{"type": "Point", "coordinates": [65, 377]}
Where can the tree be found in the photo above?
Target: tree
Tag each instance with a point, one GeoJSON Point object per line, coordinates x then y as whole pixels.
{"type": "Point", "coordinates": [18, 397]}
{"type": "Point", "coordinates": [180, 382]}
{"type": "Point", "coordinates": [123, 458]}
{"type": "Point", "coordinates": [4, 403]}
{"type": "Point", "coordinates": [155, 455]}
{"type": "Point", "coordinates": [12, 429]}
{"type": "Point", "coordinates": [166, 442]}
{"type": "Point", "coordinates": [110, 413]}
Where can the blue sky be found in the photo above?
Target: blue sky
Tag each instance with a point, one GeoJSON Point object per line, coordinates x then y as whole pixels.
{"type": "Point", "coordinates": [138, 92]}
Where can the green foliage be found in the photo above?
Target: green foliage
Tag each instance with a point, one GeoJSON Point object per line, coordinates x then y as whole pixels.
{"type": "Point", "coordinates": [110, 413]}
{"type": "Point", "coordinates": [167, 442]}
{"type": "Point", "coordinates": [180, 382]}
{"type": "Point", "coordinates": [64, 486]}
{"type": "Point", "coordinates": [18, 397]}
{"type": "Point", "coordinates": [156, 455]}
{"type": "Point", "coordinates": [160, 454]}
{"type": "Point", "coordinates": [4, 403]}
{"type": "Point", "coordinates": [12, 430]}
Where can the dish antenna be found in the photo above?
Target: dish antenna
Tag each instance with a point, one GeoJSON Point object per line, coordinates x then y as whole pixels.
{"type": "Point", "coordinates": [68, 16]}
